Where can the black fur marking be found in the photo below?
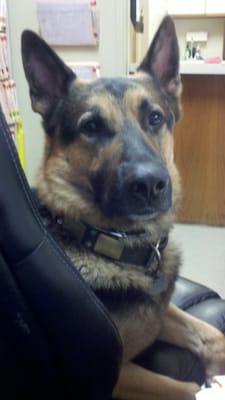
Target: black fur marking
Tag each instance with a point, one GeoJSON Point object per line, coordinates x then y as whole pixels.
{"type": "Point", "coordinates": [72, 108]}
{"type": "Point", "coordinates": [170, 121]}
{"type": "Point", "coordinates": [135, 149]}
{"type": "Point", "coordinates": [119, 299]}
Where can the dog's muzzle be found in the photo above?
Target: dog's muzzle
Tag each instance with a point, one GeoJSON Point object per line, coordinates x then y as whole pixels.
{"type": "Point", "coordinates": [140, 191]}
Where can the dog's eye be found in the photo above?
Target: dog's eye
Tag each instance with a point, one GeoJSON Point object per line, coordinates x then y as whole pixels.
{"type": "Point", "coordinates": [91, 126]}
{"type": "Point", "coordinates": [156, 118]}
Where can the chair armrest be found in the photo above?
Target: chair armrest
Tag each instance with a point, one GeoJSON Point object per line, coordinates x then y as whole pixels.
{"type": "Point", "coordinates": [200, 301]}
{"type": "Point", "coordinates": [188, 293]}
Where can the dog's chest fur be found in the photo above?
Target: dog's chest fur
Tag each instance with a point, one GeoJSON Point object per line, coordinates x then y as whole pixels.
{"type": "Point", "coordinates": [126, 292]}
{"type": "Point", "coordinates": [138, 326]}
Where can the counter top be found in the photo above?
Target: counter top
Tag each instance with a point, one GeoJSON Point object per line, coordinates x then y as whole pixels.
{"type": "Point", "coordinates": [201, 68]}
{"type": "Point", "coordinates": [195, 68]}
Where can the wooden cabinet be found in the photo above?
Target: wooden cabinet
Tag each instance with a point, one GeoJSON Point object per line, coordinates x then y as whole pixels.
{"type": "Point", "coordinates": [200, 150]}
{"type": "Point", "coordinates": [189, 7]}
{"type": "Point", "coordinates": [215, 7]}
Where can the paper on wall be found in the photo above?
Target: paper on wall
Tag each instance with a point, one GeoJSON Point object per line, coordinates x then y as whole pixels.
{"type": "Point", "coordinates": [68, 22]}
{"type": "Point", "coordinates": [85, 70]}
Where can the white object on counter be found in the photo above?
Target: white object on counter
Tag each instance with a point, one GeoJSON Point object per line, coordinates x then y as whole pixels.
{"type": "Point", "coordinates": [216, 392]}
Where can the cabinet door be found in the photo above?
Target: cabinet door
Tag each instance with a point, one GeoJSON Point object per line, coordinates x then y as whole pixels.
{"type": "Point", "coordinates": [184, 7]}
{"type": "Point", "coordinates": [215, 7]}
{"type": "Point", "coordinates": [199, 150]}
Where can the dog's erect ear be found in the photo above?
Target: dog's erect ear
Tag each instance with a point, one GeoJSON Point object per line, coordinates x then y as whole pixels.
{"type": "Point", "coordinates": [162, 58]}
{"type": "Point", "coordinates": [48, 77]}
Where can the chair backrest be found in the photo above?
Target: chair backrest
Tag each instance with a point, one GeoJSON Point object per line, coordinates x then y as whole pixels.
{"type": "Point", "coordinates": [69, 331]}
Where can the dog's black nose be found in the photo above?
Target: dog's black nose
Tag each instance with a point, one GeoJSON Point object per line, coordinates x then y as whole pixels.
{"type": "Point", "coordinates": [148, 184]}
{"type": "Point", "coordinates": [144, 188]}
{"type": "Point", "coordinates": [138, 190]}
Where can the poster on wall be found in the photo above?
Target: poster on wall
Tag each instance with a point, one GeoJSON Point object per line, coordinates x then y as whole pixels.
{"type": "Point", "coordinates": [68, 22]}
{"type": "Point", "coordinates": [85, 70]}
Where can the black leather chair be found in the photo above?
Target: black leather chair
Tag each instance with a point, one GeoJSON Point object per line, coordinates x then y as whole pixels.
{"type": "Point", "coordinates": [56, 338]}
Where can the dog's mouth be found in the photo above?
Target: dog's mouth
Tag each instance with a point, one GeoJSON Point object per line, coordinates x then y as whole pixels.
{"type": "Point", "coordinates": [144, 216]}
{"type": "Point", "coordinates": [130, 211]}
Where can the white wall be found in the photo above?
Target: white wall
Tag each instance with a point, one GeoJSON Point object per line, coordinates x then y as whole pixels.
{"type": "Point", "coordinates": [153, 12]}
{"type": "Point", "coordinates": [21, 16]}
{"type": "Point", "coordinates": [203, 254]}
{"type": "Point", "coordinates": [111, 54]}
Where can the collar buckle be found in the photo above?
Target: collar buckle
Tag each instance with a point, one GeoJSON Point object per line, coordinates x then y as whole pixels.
{"type": "Point", "coordinates": [155, 255]}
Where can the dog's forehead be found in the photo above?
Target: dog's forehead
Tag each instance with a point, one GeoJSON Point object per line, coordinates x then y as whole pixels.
{"type": "Point", "coordinates": [120, 93]}
{"type": "Point", "coordinates": [116, 87]}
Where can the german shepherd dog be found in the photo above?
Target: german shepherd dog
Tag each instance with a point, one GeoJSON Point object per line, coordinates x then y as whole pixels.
{"type": "Point", "coordinates": [108, 178]}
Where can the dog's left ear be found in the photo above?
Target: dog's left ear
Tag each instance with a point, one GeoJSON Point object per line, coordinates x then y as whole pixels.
{"type": "Point", "coordinates": [162, 61]}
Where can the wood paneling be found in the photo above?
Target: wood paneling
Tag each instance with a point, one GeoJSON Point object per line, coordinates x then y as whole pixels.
{"type": "Point", "coordinates": [133, 45]}
{"type": "Point", "coordinates": [200, 150]}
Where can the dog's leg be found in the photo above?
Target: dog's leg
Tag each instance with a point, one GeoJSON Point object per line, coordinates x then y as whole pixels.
{"type": "Point", "coordinates": [137, 383]}
{"type": "Point", "coordinates": [199, 337]}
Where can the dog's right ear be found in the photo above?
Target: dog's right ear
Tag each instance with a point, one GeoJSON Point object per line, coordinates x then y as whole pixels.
{"type": "Point", "coordinates": [48, 77]}
{"type": "Point", "coordinates": [162, 62]}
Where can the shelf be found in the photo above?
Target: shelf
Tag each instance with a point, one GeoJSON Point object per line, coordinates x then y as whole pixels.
{"type": "Point", "coordinates": [194, 68]}
{"type": "Point", "coordinates": [196, 16]}
{"type": "Point", "coordinates": [200, 68]}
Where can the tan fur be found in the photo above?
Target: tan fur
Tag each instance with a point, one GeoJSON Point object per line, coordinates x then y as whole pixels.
{"type": "Point", "coordinates": [135, 325]}
{"type": "Point", "coordinates": [199, 337]}
{"type": "Point", "coordinates": [110, 108]}
{"type": "Point", "coordinates": [132, 100]}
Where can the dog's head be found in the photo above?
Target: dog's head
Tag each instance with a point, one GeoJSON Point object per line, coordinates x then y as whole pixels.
{"type": "Point", "coordinates": [109, 144]}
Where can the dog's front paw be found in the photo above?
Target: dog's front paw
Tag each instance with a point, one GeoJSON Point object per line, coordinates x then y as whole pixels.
{"type": "Point", "coordinates": [186, 391]}
{"type": "Point", "coordinates": [214, 353]}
